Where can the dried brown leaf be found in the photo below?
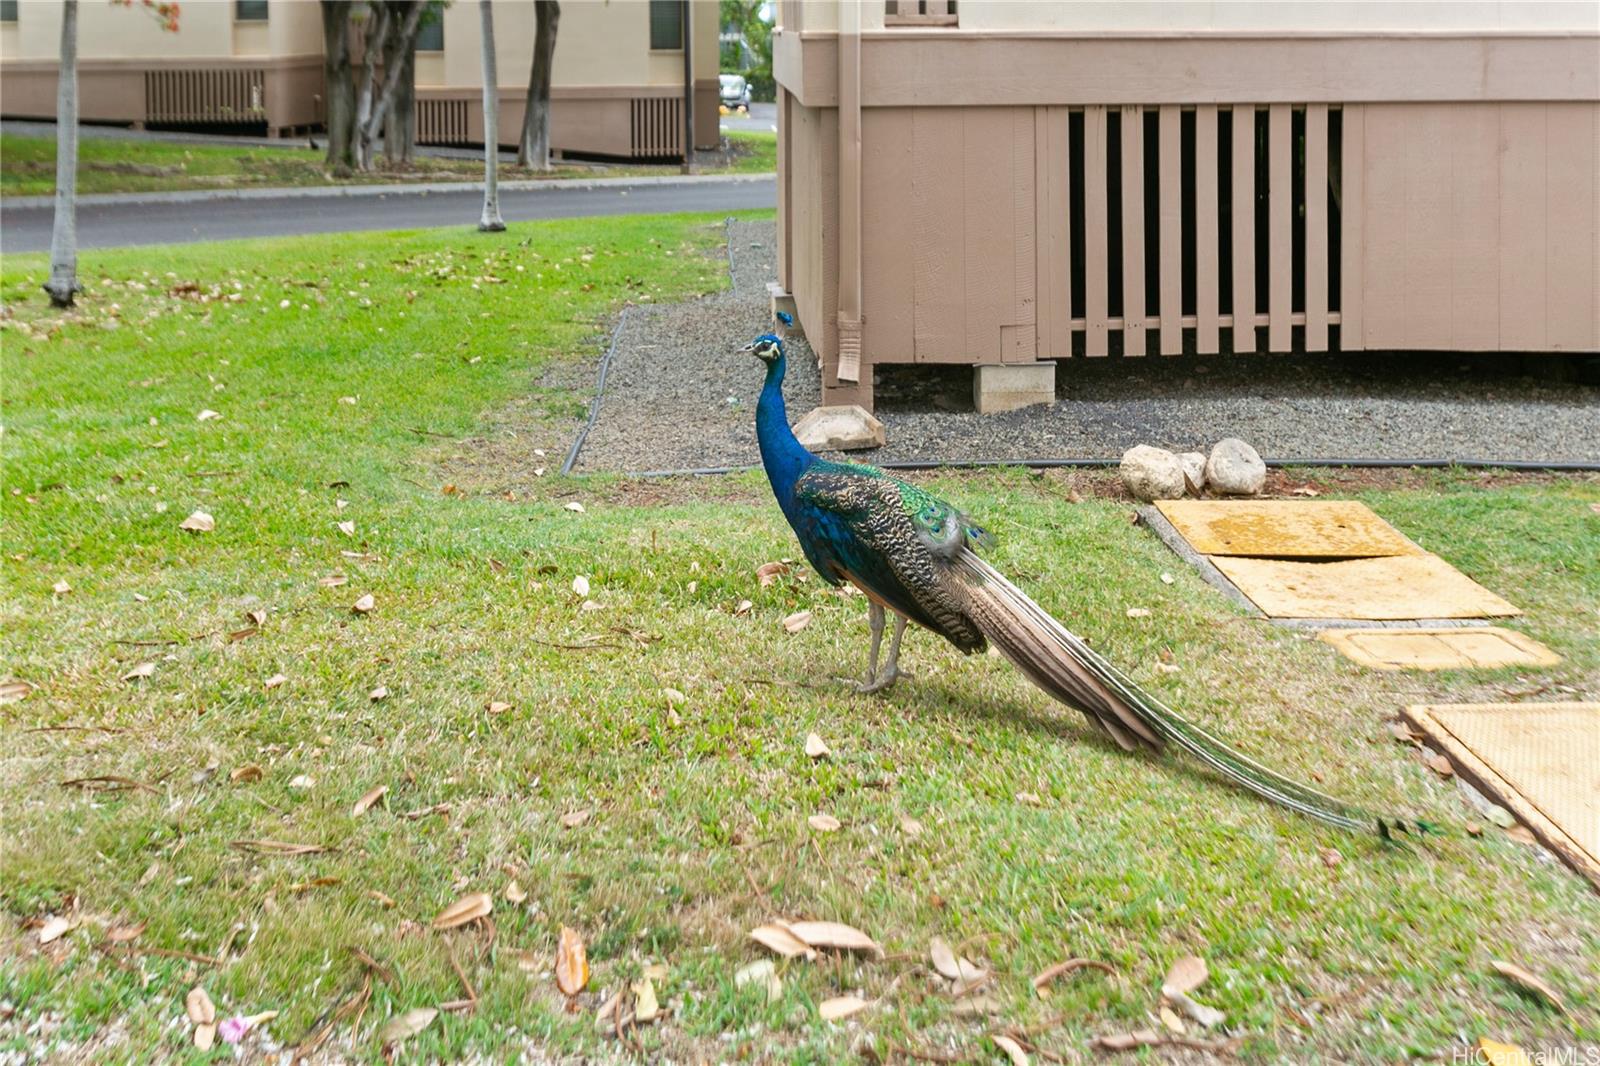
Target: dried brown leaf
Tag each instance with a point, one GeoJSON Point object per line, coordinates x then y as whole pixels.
{"type": "Point", "coordinates": [777, 937]}
{"type": "Point", "coordinates": [404, 1026]}
{"type": "Point", "coordinates": [763, 973]}
{"type": "Point", "coordinates": [468, 908]}
{"type": "Point", "coordinates": [572, 962]}
{"type": "Point", "coordinates": [835, 935]}
{"type": "Point", "coordinates": [646, 1007]}
{"type": "Point", "coordinates": [378, 694]}
{"type": "Point", "coordinates": [767, 573]}
{"type": "Point", "coordinates": [797, 621]}
{"type": "Point", "coordinates": [831, 1010]}
{"type": "Point", "coordinates": [122, 934]}
{"type": "Point", "coordinates": [364, 605]}
{"type": "Point", "coordinates": [252, 772]}
{"type": "Point", "coordinates": [1440, 764]}
{"type": "Point", "coordinates": [199, 1006]}
{"type": "Point", "coordinates": [815, 747]}
{"type": "Point", "coordinates": [1529, 982]}
{"type": "Point", "coordinates": [823, 823]}
{"type": "Point", "coordinates": [274, 681]}
{"type": "Point", "coordinates": [1186, 975]}
{"type": "Point", "coordinates": [15, 690]}
{"type": "Point", "coordinates": [497, 707]}
{"type": "Point", "coordinates": [55, 928]}
{"type": "Point", "coordinates": [333, 581]}
{"type": "Point", "coordinates": [1012, 1049]}
{"type": "Point", "coordinates": [573, 819]}
{"type": "Point", "coordinates": [368, 798]}
{"type": "Point", "coordinates": [515, 893]}
{"type": "Point", "coordinates": [205, 1036]}
{"type": "Point", "coordinates": [142, 670]}
{"type": "Point", "coordinates": [944, 960]}
{"type": "Point", "coordinates": [742, 608]}
{"type": "Point", "coordinates": [198, 522]}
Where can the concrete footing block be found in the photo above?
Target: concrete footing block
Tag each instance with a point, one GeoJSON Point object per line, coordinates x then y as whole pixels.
{"type": "Point", "coordinates": [784, 301]}
{"type": "Point", "coordinates": [1006, 388]}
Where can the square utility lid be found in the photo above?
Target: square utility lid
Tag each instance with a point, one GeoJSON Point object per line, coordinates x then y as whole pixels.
{"type": "Point", "coordinates": [1285, 529]}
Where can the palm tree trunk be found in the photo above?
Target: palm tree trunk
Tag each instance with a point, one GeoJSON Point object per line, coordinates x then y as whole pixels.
{"type": "Point", "coordinates": [533, 150]}
{"type": "Point", "coordinates": [63, 283]}
{"type": "Point", "coordinates": [491, 222]}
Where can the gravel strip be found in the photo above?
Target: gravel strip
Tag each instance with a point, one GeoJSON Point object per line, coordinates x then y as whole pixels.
{"type": "Point", "coordinates": [680, 396]}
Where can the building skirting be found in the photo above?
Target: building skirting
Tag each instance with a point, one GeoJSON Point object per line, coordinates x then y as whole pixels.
{"type": "Point", "coordinates": [623, 121]}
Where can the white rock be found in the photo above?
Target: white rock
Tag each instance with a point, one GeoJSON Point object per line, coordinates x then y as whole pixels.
{"type": "Point", "coordinates": [1235, 469]}
{"type": "Point", "coordinates": [1194, 470]}
{"type": "Point", "coordinates": [839, 427]}
{"type": "Point", "coordinates": [1152, 473]}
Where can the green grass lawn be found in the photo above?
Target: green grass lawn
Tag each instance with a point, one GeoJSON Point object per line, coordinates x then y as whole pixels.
{"type": "Point", "coordinates": [106, 165]}
{"type": "Point", "coordinates": [645, 782]}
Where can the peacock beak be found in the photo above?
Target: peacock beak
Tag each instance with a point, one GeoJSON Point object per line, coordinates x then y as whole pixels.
{"type": "Point", "coordinates": [749, 347]}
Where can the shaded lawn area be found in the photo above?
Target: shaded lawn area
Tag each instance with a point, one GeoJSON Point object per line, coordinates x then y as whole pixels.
{"type": "Point", "coordinates": [465, 356]}
{"type": "Point", "coordinates": [115, 165]}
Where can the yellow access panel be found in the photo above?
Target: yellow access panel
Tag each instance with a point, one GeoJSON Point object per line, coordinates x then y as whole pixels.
{"type": "Point", "coordinates": [1285, 529]}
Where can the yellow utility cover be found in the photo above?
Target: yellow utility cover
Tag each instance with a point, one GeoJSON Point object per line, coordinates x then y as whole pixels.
{"type": "Point", "coordinates": [1385, 589]}
{"type": "Point", "coordinates": [1285, 529]}
{"type": "Point", "coordinates": [1539, 760]}
{"type": "Point", "coordinates": [1440, 649]}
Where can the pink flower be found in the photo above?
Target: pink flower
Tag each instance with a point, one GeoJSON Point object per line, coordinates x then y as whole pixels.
{"type": "Point", "coordinates": [233, 1029]}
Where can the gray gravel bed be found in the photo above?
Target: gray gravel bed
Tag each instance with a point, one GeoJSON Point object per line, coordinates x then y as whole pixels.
{"type": "Point", "coordinates": [680, 396]}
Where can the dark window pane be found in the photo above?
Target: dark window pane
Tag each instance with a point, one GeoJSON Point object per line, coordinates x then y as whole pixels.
{"type": "Point", "coordinates": [250, 10]}
{"type": "Point", "coordinates": [666, 24]}
{"type": "Point", "coordinates": [430, 35]}
{"type": "Point", "coordinates": [8, 10]}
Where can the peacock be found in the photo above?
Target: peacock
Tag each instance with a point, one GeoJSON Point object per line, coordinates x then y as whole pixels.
{"type": "Point", "coordinates": [917, 557]}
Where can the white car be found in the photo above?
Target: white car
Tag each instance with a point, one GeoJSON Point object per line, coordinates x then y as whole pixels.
{"type": "Point", "coordinates": [735, 92]}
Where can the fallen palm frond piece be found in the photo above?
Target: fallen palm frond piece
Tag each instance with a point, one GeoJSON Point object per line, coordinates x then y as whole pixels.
{"type": "Point", "coordinates": [1152, 1038]}
{"type": "Point", "coordinates": [278, 847]}
{"type": "Point", "coordinates": [109, 783]}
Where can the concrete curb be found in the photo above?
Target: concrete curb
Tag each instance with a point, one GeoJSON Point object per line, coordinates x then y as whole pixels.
{"type": "Point", "coordinates": [326, 192]}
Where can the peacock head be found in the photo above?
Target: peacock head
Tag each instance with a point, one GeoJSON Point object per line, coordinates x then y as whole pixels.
{"type": "Point", "coordinates": [767, 347]}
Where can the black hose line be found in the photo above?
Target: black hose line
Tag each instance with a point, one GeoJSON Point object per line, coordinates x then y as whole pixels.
{"type": "Point", "coordinates": [1031, 463]}
{"type": "Point", "coordinates": [1047, 464]}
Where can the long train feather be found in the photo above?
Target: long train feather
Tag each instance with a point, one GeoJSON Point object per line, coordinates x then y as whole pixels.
{"type": "Point", "coordinates": [1064, 665]}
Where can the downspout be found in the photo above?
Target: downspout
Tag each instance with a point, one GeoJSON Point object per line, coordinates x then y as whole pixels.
{"type": "Point", "coordinates": [688, 90]}
{"type": "Point", "coordinates": [849, 191]}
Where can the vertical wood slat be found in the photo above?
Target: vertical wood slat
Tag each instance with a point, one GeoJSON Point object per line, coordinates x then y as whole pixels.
{"type": "Point", "coordinates": [1095, 255]}
{"type": "Point", "coordinates": [938, 192]}
{"type": "Point", "coordinates": [1244, 229]}
{"type": "Point", "coordinates": [1572, 256]}
{"type": "Point", "coordinates": [1052, 191]}
{"type": "Point", "coordinates": [1133, 331]}
{"type": "Point", "coordinates": [1021, 343]}
{"type": "Point", "coordinates": [1474, 227]}
{"type": "Point", "coordinates": [1317, 228]}
{"type": "Point", "coordinates": [1352, 210]}
{"type": "Point", "coordinates": [1280, 239]}
{"type": "Point", "coordinates": [1207, 216]}
{"type": "Point", "coordinates": [1171, 232]}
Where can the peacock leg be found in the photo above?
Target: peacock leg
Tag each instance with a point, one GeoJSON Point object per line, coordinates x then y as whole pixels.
{"type": "Point", "coordinates": [877, 682]}
{"type": "Point", "coordinates": [875, 623]}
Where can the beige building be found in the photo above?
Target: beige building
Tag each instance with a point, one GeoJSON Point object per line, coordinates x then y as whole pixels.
{"type": "Point", "coordinates": [1004, 184]}
{"type": "Point", "coordinates": [617, 87]}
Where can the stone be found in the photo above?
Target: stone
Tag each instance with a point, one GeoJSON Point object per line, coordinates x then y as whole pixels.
{"type": "Point", "coordinates": [1152, 473]}
{"type": "Point", "coordinates": [839, 427]}
{"type": "Point", "coordinates": [1194, 470]}
{"type": "Point", "coordinates": [1235, 469]}
{"type": "Point", "coordinates": [1008, 388]}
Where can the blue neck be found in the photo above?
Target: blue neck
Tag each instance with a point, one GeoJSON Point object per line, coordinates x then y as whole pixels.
{"type": "Point", "coordinates": [784, 458]}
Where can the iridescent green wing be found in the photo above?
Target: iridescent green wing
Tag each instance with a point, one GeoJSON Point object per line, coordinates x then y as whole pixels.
{"type": "Point", "coordinates": [944, 529]}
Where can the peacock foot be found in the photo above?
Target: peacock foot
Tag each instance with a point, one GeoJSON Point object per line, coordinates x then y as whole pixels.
{"type": "Point", "coordinates": [882, 682]}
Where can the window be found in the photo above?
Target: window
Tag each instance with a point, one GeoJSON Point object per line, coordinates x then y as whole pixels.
{"type": "Point", "coordinates": [8, 10]}
{"type": "Point", "coordinates": [250, 10]}
{"type": "Point", "coordinates": [666, 25]}
{"type": "Point", "coordinates": [430, 35]}
{"type": "Point", "coordinates": [919, 13]}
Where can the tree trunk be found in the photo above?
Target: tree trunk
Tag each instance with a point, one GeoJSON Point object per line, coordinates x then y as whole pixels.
{"type": "Point", "coordinates": [63, 283]}
{"type": "Point", "coordinates": [392, 38]}
{"type": "Point", "coordinates": [340, 86]}
{"type": "Point", "coordinates": [491, 222]}
{"type": "Point", "coordinates": [533, 150]}
{"type": "Point", "coordinates": [400, 128]}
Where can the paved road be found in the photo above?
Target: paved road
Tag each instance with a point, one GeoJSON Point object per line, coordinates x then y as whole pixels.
{"type": "Point", "coordinates": [762, 117]}
{"type": "Point", "coordinates": [154, 221]}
